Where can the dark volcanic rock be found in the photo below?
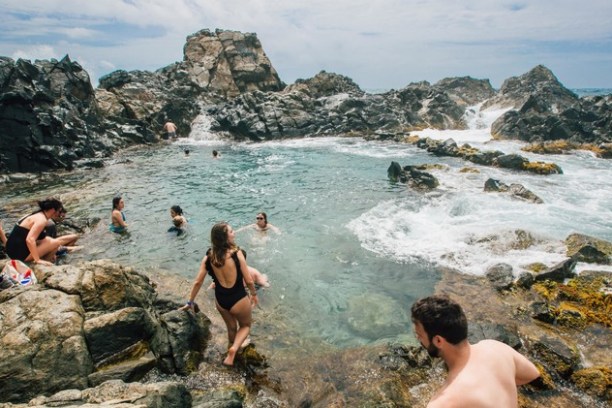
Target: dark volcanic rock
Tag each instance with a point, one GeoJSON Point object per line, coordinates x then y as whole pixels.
{"type": "Point", "coordinates": [326, 84]}
{"type": "Point", "coordinates": [545, 110]}
{"type": "Point", "coordinates": [49, 117]}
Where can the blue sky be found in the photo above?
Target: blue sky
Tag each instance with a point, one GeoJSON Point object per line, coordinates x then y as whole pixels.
{"type": "Point", "coordinates": [378, 43]}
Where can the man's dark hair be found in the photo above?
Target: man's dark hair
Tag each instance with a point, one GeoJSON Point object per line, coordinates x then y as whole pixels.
{"type": "Point", "coordinates": [440, 316]}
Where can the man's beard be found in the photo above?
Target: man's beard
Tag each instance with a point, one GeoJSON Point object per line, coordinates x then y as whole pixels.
{"type": "Point", "coordinates": [432, 350]}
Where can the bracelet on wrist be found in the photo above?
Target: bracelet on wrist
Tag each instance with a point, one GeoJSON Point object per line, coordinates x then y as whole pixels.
{"type": "Point", "coordinates": [189, 303]}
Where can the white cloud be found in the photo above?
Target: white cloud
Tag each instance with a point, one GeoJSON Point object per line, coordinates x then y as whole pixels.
{"type": "Point", "coordinates": [78, 32]}
{"type": "Point", "coordinates": [385, 43]}
{"type": "Point", "coordinates": [35, 52]}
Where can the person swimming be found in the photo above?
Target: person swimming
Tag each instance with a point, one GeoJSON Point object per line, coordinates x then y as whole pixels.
{"type": "Point", "coordinates": [118, 224]}
{"type": "Point", "coordinates": [261, 224]}
{"type": "Point", "coordinates": [178, 220]}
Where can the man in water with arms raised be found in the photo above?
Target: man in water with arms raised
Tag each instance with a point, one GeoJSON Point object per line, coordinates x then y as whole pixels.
{"type": "Point", "coordinates": [479, 375]}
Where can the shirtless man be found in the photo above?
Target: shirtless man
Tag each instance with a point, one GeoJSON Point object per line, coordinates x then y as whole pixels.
{"type": "Point", "coordinates": [480, 375]}
{"type": "Point", "coordinates": [170, 129]}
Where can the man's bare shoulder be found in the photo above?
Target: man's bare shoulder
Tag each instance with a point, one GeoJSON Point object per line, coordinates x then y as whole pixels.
{"type": "Point", "coordinates": [446, 400]}
{"type": "Point", "coordinates": [491, 345]}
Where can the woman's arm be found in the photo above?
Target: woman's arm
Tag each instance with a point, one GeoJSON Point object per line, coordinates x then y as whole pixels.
{"type": "Point", "coordinates": [2, 235]}
{"type": "Point", "coordinates": [197, 284]}
{"type": "Point", "coordinates": [245, 227]}
{"type": "Point", "coordinates": [38, 224]}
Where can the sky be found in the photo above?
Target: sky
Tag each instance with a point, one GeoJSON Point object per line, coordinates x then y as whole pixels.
{"type": "Point", "coordinates": [379, 44]}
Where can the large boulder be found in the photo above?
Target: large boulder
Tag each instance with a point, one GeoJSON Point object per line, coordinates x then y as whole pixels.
{"type": "Point", "coordinates": [40, 331]}
{"type": "Point", "coordinates": [589, 249]}
{"type": "Point", "coordinates": [103, 319]}
{"type": "Point", "coordinates": [229, 62]}
{"type": "Point", "coordinates": [116, 393]}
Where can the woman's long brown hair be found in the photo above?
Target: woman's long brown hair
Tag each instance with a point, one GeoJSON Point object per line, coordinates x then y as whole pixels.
{"type": "Point", "coordinates": [220, 244]}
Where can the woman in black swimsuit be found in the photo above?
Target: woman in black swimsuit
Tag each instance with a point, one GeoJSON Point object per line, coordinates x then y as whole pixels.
{"type": "Point", "coordinates": [28, 240]}
{"type": "Point", "coordinates": [225, 264]}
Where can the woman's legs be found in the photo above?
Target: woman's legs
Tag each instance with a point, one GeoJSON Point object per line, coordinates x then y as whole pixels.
{"type": "Point", "coordinates": [68, 240]}
{"type": "Point", "coordinates": [46, 246]}
{"type": "Point", "coordinates": [230, 323]}
{"type": "Point", "coordinates": [241, 311]}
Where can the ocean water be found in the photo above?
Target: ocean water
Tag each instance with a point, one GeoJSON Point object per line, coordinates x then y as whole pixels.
{"type": "Point", "coordinates": [355, 249]}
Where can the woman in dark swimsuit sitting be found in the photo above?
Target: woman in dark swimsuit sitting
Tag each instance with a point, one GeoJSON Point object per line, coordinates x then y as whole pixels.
{"type": "Point", "coordinates": [28, 240]}
{"type": "Point", "coordinates": [225, 264]}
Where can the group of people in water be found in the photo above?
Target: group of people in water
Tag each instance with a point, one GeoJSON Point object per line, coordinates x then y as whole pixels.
{"type": "Point", "coordinates": [482, 374]}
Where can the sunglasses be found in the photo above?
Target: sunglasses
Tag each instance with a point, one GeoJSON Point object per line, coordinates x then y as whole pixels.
{"type": "Point", "coordinates": [259, 218]}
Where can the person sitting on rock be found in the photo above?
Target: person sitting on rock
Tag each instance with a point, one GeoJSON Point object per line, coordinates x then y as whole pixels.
{"type": "Point", "coordinates": [29, 242]}
{"type": "Point", "coordinates": [2, 235]}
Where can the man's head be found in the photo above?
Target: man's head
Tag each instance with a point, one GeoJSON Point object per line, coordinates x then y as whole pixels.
{"type": "Point", "coordinates": [60, 215]}
{"type": "Point", "coordinates": [438, 316]}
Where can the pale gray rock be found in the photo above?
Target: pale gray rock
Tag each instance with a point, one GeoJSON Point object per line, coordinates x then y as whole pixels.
{"type": "Point", "coordinates": [40, 331]}
{"type": "Point", "coordinates": [100, 317]}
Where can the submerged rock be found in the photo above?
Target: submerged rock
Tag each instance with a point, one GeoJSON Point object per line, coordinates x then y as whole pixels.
{"type": "Point", "coordinates": [515, 190]}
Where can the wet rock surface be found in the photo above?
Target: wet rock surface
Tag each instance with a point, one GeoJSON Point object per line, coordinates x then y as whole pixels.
{"type": "Point", "coordinates": [376, 375]}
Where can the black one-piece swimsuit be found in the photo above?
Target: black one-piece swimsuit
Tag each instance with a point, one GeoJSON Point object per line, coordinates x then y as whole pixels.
{"type": "Point", "coordinates": [228, 297]}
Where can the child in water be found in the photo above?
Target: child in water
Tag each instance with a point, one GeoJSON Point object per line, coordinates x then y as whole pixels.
{"type": "Point", "coordinates": [178, 220]}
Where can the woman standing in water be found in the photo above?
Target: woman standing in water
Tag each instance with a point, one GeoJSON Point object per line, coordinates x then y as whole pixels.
{"type": "Point", "coordinates": [226, 265]}
{"type": "Point", "coordinates": [118, 223]}
{"type": "Point", "coordinates": [29, 242]}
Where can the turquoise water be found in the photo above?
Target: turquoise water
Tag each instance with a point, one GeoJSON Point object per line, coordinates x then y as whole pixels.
{"type": "Point", "coordinates": [321, 277]}
{"type": "Point", "coordinates": [355, 250]}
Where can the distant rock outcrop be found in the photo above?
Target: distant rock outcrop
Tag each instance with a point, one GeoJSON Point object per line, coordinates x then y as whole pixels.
{"type": "Point", "coordinates": [49, 118]}
{"type": "Point", "coordinates": [545, 110]}
{"type": "Point", "coordinates": [229, 62]}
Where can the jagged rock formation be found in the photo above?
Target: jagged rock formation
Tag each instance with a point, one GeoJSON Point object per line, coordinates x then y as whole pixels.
{"type": "Point", "coordinates": [49, 118]}
{"type": "Point", "coordinates": [229, 62]}
{"type": "Point", "coordinates": [545, 110]}
{"type": "Point", "coordinates": [332, 104]}
{"type": "Point", "coordinates": [216, 67]}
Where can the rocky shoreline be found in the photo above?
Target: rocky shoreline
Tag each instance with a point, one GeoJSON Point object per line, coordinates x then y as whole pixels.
{"type": "Point", "coordinates": [160, 357]}
{"type": "Point", "coordinates": [100, 334]}
{"type": "Point", "coordinates": [53, 118]}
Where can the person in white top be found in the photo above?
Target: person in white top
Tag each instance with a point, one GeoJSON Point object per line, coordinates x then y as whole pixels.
{"type": "Point", "coordinates": [484, 374]}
